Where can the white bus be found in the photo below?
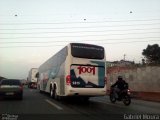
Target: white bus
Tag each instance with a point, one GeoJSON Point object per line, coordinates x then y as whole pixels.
{"type": "Point", "coordinates": [76, 70]}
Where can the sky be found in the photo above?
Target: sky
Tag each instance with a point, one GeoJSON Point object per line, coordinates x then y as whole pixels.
{"type": "Point", "coordinates": [31, 31]}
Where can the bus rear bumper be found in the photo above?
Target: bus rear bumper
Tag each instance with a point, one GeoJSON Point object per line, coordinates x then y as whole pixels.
{"type": "Point", "coordinates": [86, 92]}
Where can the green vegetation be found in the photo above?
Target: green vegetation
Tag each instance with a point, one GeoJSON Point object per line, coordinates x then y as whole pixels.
{"type": "Point", "coordinates": [151, 54]}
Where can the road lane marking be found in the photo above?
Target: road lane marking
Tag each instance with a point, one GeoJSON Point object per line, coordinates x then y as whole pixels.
{"type": "Point", "coordinates": [53, 104]}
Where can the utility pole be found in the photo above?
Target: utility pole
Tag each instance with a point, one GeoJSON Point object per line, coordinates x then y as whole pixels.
{"type": "Point", "coordinates": [124, 57]}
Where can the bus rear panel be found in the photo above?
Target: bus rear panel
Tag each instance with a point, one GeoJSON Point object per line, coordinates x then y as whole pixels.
{"type": "Point", "coordinates": [87, 70]}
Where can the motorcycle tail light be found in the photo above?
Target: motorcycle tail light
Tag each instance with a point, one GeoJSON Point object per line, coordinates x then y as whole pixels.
{"type": "Point", "coordinates": [128, 91]}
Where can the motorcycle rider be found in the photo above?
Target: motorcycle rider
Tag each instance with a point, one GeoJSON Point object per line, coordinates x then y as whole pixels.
{"type": "Point", "coordinates": [119, 86]}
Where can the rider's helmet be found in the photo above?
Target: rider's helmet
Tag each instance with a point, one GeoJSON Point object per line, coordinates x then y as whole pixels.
{"type": "Point", "coordinates": [120, 78]}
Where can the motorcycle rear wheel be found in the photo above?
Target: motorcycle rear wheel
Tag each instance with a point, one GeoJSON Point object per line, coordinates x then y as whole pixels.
{"type": "Point", "coordinates": [127, 100]}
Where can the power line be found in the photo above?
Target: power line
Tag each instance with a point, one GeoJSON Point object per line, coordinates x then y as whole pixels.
{"type": "Point", "coordinates": [104, 26]}
{"type": "Point", "coordinates": [30, 46]}
{"type": "Point", "coordinates": [64, 45]}
{"type": "Point", "coordinates": [130, 42]}
{"type": "Point", "coordinates": [84, 22]}
{"type": "Point", "coordinates": [102, 35]}
{"type": "Point", "coordinates": [78, 31]}
{"type": "Point", "coordinates": [99, 40]}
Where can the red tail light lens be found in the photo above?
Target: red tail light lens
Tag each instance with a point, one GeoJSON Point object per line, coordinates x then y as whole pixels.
{"type": "Point", "coordinates": [68, 80]}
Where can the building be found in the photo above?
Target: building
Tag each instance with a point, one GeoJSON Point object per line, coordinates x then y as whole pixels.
{"type": "Point", "coordinates": [120, 63]}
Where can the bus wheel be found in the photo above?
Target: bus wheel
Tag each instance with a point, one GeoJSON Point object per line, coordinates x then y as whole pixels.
{"type": "Point", "coordinates": [40, 91]}
{"type": "Point", "coordinates": [56, 97]}
{"type": "Point", "coordinates": [51, 92]}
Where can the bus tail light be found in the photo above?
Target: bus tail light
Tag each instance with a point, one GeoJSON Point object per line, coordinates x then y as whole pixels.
{"type": "Point", "coordinates": [68, 80]}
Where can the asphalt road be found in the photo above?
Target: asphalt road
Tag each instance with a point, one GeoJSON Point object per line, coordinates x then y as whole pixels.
{"type": "Point", "coordinates": [41, 107]}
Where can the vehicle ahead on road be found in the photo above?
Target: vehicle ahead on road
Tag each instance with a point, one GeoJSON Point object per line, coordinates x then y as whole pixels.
{"type": "Point", "coordinates": [32, 80]}
{"type": "Point", "coordinates": [124, 96]}
{"type": "Point", "coordinates": [11, 88]}
{"type": "Point", "coordinates": [76, 70]}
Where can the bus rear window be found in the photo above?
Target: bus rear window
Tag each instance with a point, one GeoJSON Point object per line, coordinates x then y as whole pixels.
{"type": "Point", "coordinates": [87, 51]}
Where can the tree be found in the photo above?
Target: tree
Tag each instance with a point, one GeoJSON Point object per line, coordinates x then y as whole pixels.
{"type": "Point", "coordinates": [152, 54]}
{"type": "Point", "coordinates": [143, 62]}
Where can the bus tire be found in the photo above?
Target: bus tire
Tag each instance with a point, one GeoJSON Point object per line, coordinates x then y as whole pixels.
{"type": "Point", "coordinates": [40, 91]}
{"type": "Point", "coordinates": [56, 97]}
{"type": "Point", "coordinates": [51, 92]}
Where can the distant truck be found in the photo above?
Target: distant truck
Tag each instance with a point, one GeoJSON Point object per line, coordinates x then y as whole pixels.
{"type": "Point", "coordinates": [32, 80]}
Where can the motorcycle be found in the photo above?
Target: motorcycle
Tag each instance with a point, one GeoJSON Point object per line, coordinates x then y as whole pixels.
{"type": "Point", "coordinates": [123, 95]}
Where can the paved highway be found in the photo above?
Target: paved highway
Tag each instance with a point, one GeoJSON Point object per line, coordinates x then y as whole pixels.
{"type": "Point", "coordinates": [41, 107]}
